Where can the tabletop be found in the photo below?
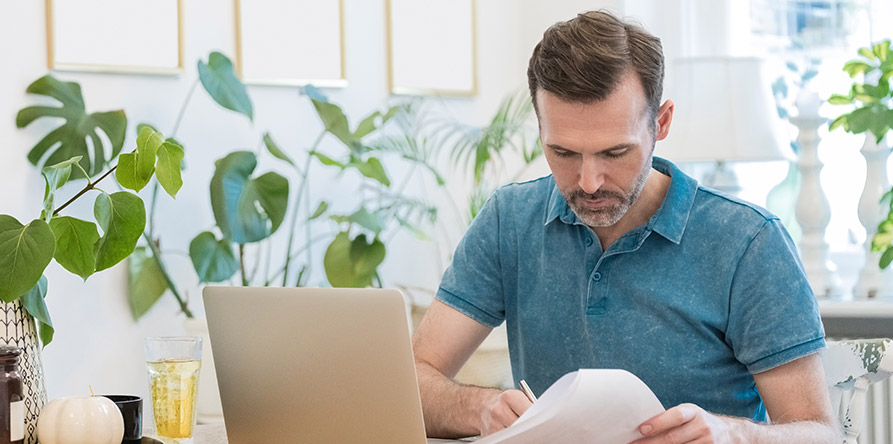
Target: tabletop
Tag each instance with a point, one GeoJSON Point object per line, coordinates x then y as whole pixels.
{"type": "Point", "coordinates": [216, 434]}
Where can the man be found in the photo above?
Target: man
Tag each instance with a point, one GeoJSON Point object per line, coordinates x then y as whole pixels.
{"type": "Point", "coordinates": [620, 260]}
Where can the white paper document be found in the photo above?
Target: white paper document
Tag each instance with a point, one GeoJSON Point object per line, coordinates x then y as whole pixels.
{"type": "Point", "coordinates": [591, 406]}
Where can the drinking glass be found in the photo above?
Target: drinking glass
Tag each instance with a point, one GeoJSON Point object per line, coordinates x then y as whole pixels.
{"type": "Point", "coordinates": [173, 364]}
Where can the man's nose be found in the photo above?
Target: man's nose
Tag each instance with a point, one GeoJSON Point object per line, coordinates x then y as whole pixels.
{"type": "Point", "coordinates": [591, 175]}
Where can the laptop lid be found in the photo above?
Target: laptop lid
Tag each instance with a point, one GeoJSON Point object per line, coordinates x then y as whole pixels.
{"type": "Point", "coordinates": [326, 365]}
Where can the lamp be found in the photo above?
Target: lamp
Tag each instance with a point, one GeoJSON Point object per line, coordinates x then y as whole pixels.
{"type": "Point", "coordinates": [724, 112]}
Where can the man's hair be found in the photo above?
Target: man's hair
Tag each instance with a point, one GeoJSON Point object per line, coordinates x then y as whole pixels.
{"type": "Point", "coordinates": [582, 60]}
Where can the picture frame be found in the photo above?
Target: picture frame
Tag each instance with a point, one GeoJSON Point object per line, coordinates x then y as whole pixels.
{"type": "Point", "coordinates": [102, 36]}
{"type": "Point", "coordinates": [413, 29]}
{"type": "Point", "coordinates": [274, 42]}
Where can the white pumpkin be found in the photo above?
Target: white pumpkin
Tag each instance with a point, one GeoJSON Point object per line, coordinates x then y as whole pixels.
{"type": "Point", "coordinates": [85, 420]}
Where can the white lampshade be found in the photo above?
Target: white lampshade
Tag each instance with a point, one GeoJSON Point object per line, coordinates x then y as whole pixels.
{"type": "Point", "coordinates": [724, 112]}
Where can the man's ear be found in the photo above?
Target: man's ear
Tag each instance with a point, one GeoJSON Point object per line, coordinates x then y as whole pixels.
{"type": "Point", "coordinates": [664, 118]}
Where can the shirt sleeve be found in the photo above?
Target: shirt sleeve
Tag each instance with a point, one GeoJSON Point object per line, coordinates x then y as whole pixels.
{"type": "Point", "coordinates": [473, 282]}
{"type": "Point", "coordinates": [774, 316]}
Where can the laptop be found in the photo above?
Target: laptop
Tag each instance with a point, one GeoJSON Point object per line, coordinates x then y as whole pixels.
{"type": "Point", "coordinates": [322, 365]}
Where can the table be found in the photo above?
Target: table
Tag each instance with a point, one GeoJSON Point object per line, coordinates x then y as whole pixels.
{"type": "Point", "coordinates": [216, 434]}
{"type": "Point", "coordinates": [857, 319]}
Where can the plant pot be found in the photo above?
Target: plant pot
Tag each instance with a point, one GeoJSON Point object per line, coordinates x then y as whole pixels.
{"type": "Point", "coordinates": [208, 409]}
{"type": "Point", "coordinates": [18, 330]}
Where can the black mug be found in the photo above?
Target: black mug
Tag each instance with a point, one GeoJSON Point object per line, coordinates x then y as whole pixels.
{"type": "Point", "coordinates": [131, 408]}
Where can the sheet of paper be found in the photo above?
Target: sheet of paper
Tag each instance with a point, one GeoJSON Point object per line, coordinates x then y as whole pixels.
{"type": "Point", "coordinates": [598, 406]}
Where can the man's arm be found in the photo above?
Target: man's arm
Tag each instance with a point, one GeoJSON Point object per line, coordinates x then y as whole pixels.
{"type": "Point", "coordinates": [442, 343]}
{"type": "Point", "coordinates": [796, 398]}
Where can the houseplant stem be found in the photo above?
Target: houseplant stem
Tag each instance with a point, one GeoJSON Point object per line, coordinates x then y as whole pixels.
{"type": "Point", "coordinates": [156, 253]}
{"type": "Point", "coordinates": [90, 186]}
{"type": "Point", "coordinates": [296, 208]}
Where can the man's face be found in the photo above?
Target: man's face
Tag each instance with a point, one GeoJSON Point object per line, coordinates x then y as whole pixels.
{"type": "Point", "coordinates": [599, 152]}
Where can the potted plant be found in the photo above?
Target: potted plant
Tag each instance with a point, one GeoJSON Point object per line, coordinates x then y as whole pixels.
{"type": "Point", "coordinates": [357, 246]}
{"type": "Point", "coordinates": [83, 247]}
{"type": "Point", "coordinates": [491, 155]}
{"type": "Point", "coordinates": [872, 115]}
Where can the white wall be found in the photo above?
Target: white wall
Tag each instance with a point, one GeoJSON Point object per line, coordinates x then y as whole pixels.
{"type": "Point", "coordinates": [96, 341]}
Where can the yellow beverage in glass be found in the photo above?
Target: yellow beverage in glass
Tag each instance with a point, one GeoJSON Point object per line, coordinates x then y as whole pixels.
{"type": "Point", "coordinates": [173, 385]}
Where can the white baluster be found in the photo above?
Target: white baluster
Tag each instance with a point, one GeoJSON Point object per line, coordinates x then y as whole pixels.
{"type": "Point", "coordinates": [874, 282]}
{"type": "Point", "coordinates": [813, 211]}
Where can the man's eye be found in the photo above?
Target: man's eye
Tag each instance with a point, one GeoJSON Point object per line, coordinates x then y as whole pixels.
{"type": "Point", "coordinates": [616, 153]}
{"type": "Point", "coordinates": [560, 153]}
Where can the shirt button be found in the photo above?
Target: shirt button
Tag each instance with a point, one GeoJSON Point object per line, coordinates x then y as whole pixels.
{"type": "Point", "coordinates": [597, 276]}
{"type": "Point", "coordinates": [588, 241]}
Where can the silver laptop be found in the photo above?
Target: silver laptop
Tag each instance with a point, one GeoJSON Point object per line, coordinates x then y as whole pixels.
{"type": "Point", "coordinates": [320, 365]}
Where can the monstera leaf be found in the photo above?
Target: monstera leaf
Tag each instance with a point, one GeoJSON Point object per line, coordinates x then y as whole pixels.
{"type": "Point", "coordinates": [213, 259]}
{"type": "Point", "coordinates": [220, 81]}
{"type": "Point", "coordinates": [70, 139]}
{"type": "Point", "coordinates": [353, 263]}
{"type": "Point", "coordinates": [247, 209]}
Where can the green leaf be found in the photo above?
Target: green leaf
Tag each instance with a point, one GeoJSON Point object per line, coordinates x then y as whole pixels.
{"type": "Point", "coordinates": [881, 50]}
{"type": "Point", "coordinates": [275, 151]}
{"type": "Point", "coordinates": [856, 67]}
{"type": "Point", "coordinates": [246, 209]}
{"type": "Point", "coordinates": [146, 282]}
{"type": "Point", "coordinates": [213, 259]}
{"type": "Point", "coordinates": [323, 206]}
{"type": "Point", "coordinates": [867, 53]}
{"type": "Point", "coordinates": [70, 139]}
{"type": "Point", "coordinates": [135, 169]}
{"type": "Point", "coordinates": [352, 263]}
{"type": "Point", "coordinates": [886, 258]}
{"type": "Point", "coordinates": [75, 240]}
{"type": "Point", "coordinates": [36, 306]}
{"type": "Point", "coordinates": [25, 251]}
{"type": "Point", "coordinates": [367, 125]}
{"type": "Point", "coordinates": [840, 99]}
{"type": "Point", "coordinates": [335, 121]}
{"type": "Point", "coordinates": [167, 169]}
{"type": "Point", "coordinates": [122, 217]}
{"type": "Point", "coordinates": [220, 81]}
{"type": "Point", "coordinates": [367, 220]}
{"type": "Point", "coordinates": [326, 160]}
{"type": "Point", "coordinates": [373, 169]}
{"type": "Point", "coordinates": [55, 177]}
{"type": "Point", "coordinates": [838, 122]}
{"type": "Point", "coordinates": [375, 121]}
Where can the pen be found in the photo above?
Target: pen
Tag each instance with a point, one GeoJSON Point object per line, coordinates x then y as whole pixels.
{"type": "Point", "coordinates": [526, 389]}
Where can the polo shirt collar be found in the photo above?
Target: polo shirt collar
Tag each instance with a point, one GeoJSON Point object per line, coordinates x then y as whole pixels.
{"type": "Point", "coordinates": [670, 219]}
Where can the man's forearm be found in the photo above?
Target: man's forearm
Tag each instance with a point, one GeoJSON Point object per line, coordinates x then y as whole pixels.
{"type": "Point", "coordinates": [451, 410]}
{"type": "Point", "coordinates": [800, 432]}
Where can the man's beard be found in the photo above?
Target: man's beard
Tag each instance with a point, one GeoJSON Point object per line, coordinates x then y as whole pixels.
{"type": "Point", "coordinates": [611, 214]}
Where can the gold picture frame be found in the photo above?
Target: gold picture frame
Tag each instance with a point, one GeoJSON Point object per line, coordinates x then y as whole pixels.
{"type": "Point", "coordinates": [290, 43]}
{"type": "Point", "coordinates": [432, 47]}
{"type": "Point", "coordinates": [102, 36]}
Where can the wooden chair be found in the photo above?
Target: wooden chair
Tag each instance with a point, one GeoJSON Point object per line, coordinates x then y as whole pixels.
{"type": "Point", "coordinates": [850, 367]}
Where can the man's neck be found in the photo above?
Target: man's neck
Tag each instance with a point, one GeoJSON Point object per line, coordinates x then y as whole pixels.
{"type": "Point", "coordinates": [646, 205]}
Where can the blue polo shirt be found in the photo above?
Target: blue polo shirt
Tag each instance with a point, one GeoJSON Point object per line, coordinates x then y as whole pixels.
{"type": "Point", "coordinates": [708, 292]}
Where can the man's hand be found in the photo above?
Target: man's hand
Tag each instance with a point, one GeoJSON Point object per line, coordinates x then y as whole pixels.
{"type": "Point", "coordinates": [503, 410]}
{"type": "Point", "coordinates": [686, 423]}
